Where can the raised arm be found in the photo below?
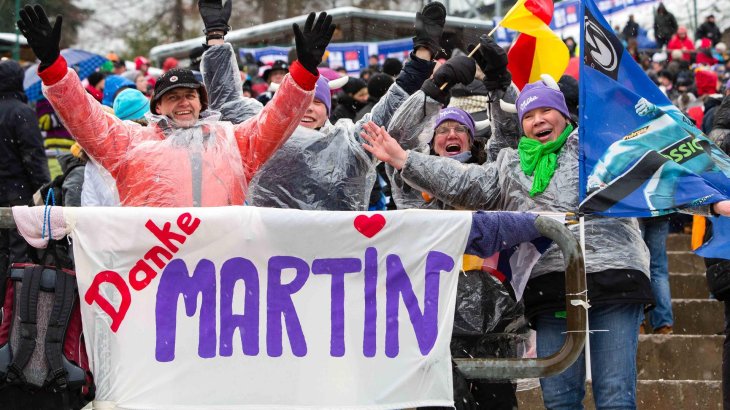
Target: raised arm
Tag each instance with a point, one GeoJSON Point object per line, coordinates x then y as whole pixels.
{"type": "Point", "coordinates": [259, 137]}
{"type": "Point", "coordinates": [218, 66]}
{"type": "Point", "coordinates": [223, 82]}
{"type": "Point", "coordinates": [104, 137]}
{"type": "Point", "coordinates": [465, 186]}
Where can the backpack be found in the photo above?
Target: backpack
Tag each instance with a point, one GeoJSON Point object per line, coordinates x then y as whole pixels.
{"type": "Point", "coordinates": [43, 360]}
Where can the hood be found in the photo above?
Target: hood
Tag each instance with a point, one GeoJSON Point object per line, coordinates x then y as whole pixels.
{"type": "Point", "coordinates": [722, 115]}
{"type": "Point", "coordinates": [712, 100]}
{"type": "Point", "coordinates": [112, 84]}
{"type": "Point", "coordinates": [11, 76]}
{"type": "Point", "coordinates": [68, 161]}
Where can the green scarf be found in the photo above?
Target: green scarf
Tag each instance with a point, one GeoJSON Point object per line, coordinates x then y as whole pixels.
{"type": "Point", "coordinates": [541, 159]}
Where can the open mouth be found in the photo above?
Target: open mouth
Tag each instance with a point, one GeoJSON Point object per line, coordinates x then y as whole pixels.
{"type": "Point", "coordinates": [181, 113]}
{"type": "Point", "coordinates": [453, 148]}
{"type": "Point", "coordinates": [307, 119]}
{"type": "Point", "coordinates": [544, 133]}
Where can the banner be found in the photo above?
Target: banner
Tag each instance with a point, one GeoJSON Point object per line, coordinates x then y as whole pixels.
{"type": "Point", "coordinates": [244, 307]}
{"type": "Point", "coordinates": [352, 56]}
{"type": "Point", "coordinates": [267, 55]}
{"type": "Point", "coordinates": [640, 156]}
{"type": "Point", "coordinates": [567, 11]}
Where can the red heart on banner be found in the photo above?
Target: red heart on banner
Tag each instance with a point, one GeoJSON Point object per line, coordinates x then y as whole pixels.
{"type": "Point", "coordinates": [369, 225]}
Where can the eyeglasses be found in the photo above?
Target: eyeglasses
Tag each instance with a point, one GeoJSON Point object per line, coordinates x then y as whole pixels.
{"type": "Point", "coordinates": [459, 129]}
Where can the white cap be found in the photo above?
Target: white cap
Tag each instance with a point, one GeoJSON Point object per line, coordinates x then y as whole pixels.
{"type": "Point", "coordinates": [659, 57]}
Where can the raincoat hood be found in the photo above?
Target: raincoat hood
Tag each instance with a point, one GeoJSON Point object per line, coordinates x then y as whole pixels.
{"type": "Point", "coordinates": [11, 77]}
{"type": "Point", "coordinates": [112, 84]}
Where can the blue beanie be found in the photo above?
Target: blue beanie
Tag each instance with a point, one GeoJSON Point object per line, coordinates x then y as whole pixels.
{"type": "Point", "coordinates": [112, 84]}
{"type": "Point", "coordinates": [131, 104]}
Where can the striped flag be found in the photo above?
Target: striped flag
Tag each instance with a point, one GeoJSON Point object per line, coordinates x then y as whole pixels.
{"type": "Point", "coordinates": [537, 49]}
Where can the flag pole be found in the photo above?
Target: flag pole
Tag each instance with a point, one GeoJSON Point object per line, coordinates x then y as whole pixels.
{"type": "Point", "coordinates": [444, 85]}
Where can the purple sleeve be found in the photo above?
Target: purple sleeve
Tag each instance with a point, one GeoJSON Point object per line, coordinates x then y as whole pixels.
{"type": "Point", "coordinates": [494, 231]}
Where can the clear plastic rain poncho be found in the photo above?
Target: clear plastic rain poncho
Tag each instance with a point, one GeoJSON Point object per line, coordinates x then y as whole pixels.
{"type": "Point", "coordinates": [314, 170]}
{"type": "Point", "coordinates": [207, 164]}
{"type": "Point", "coordinates": [502, 185]}
{"type": "Point", "coordinates": [413, 126]}
{"type": "Point", "coordinates": [488, 322]}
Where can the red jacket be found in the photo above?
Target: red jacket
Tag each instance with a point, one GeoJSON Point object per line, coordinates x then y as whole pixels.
{"type": "Point", "coordinates": [209, 164]}
{"type": "Point", "coordinates": [677, 44]}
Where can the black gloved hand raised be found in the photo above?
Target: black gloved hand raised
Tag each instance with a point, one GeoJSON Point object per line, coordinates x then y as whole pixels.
{"type": "Point", "coordinates": [215, 15]}
{"type": "Point", "coordinates": [457, 70]}
{"type": "Point", "coordinates": [42, 38]}
{"type": "Point", "coordinates": [429, 27]}
{"type": "Point", "coordinates": [492, 60]}
{"type": "Point", "coordinates": [313, 40]}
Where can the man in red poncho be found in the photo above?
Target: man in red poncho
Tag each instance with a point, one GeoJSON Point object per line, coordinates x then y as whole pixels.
{"type": "Point", "coordinates": [185, 157]}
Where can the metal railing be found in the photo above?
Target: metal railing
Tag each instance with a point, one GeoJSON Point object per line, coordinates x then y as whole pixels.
{"type": "Point", "coordinates": [576, 300]}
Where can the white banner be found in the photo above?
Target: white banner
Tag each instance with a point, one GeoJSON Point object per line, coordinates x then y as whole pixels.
{"type": "Point", "coordinates": [243, 307]}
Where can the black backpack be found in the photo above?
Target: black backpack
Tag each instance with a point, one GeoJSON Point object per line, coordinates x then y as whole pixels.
{"type": "Point", "coordinates": [43, 360]}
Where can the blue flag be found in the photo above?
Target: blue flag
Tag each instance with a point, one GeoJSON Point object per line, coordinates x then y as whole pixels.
{"type": "Point", "coordinates": [718, 246]}
{"type": "Point", "coordinates": [639, 155]}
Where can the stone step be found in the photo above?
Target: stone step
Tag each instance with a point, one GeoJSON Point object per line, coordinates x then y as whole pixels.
{"type": "Point", "coordinates": [688, 286]}
{"type": "Point", "coordinates": [686, 262]}
{"type": "Point", "coordinates": [650, 395]}
{"type": "Point", "coordinates": [698, 316]}
{"type": "Point", "coordinates": [678, 242]}
{"type": "Point", "coordinates": [679, 357]}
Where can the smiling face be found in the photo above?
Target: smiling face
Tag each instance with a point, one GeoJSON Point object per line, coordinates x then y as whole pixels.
{"type": "Point", "coordinates": [316, 115]}
{"type": "Point", "coordinates": [450, 138]}
{"type": "Point", "coordinates": [182, 105]}
{"type": "Point", "coordinates": [277, 76]}
{"type": "Point", "coordinates": [544, 124]}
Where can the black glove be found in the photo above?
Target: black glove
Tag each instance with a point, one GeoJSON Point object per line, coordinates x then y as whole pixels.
{"type": "Point", "coordinates": [311, 42]}
{"type": "Point", "coordinates": [458, 70]}
{"type": "Point", "coordinates": [215, 15]}
{"type": "Point", "coordinates": [42, 38]}
{"type": "Point", "coordinates": [492, 59]}
{"type": "Point", "coordinates": [429, 27]}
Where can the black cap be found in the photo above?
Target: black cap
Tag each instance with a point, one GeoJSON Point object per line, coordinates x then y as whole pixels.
{"type": "Point", "coordinates": [278, 65]}
{"type": "Point", "coordinates": [177, 78]}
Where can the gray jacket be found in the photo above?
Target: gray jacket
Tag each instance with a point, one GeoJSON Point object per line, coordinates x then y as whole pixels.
{"type": "Point", "coordinates": [413, 125]}
{"type": "Point", "coordinates": [326, 169]}
{"type": "Point", "coordinates": [502, 185]}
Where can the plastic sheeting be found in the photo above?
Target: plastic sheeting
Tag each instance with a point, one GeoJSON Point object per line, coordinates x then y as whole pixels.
{"type": "Point", "coordinates": [488, 322]}
{"type": "Point", "coordinates": [502, 185]}
{"type": "Point", "coordinates": [207, 164]}
{"type": "Point", "coordinates": [412, 125]}
{"type": "Point", "coordinates": [506, 129]}
{"type": "Point", "coordinates": [314, 170]}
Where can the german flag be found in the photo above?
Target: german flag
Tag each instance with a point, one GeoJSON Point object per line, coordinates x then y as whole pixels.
{"type": "Point", "coordinates": [537, 49]}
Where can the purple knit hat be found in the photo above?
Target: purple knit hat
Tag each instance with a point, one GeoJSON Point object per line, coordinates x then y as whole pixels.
{"type": "Point", "coordinates": [322, 92]}
{"type": "Point", "coordinates": [458, 115]}
{"type": "Point", "coordinates": [539, 95]}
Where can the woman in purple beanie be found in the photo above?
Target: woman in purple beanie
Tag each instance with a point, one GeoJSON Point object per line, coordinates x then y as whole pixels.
{"type": "Point", "coordinates": [541, 175]}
